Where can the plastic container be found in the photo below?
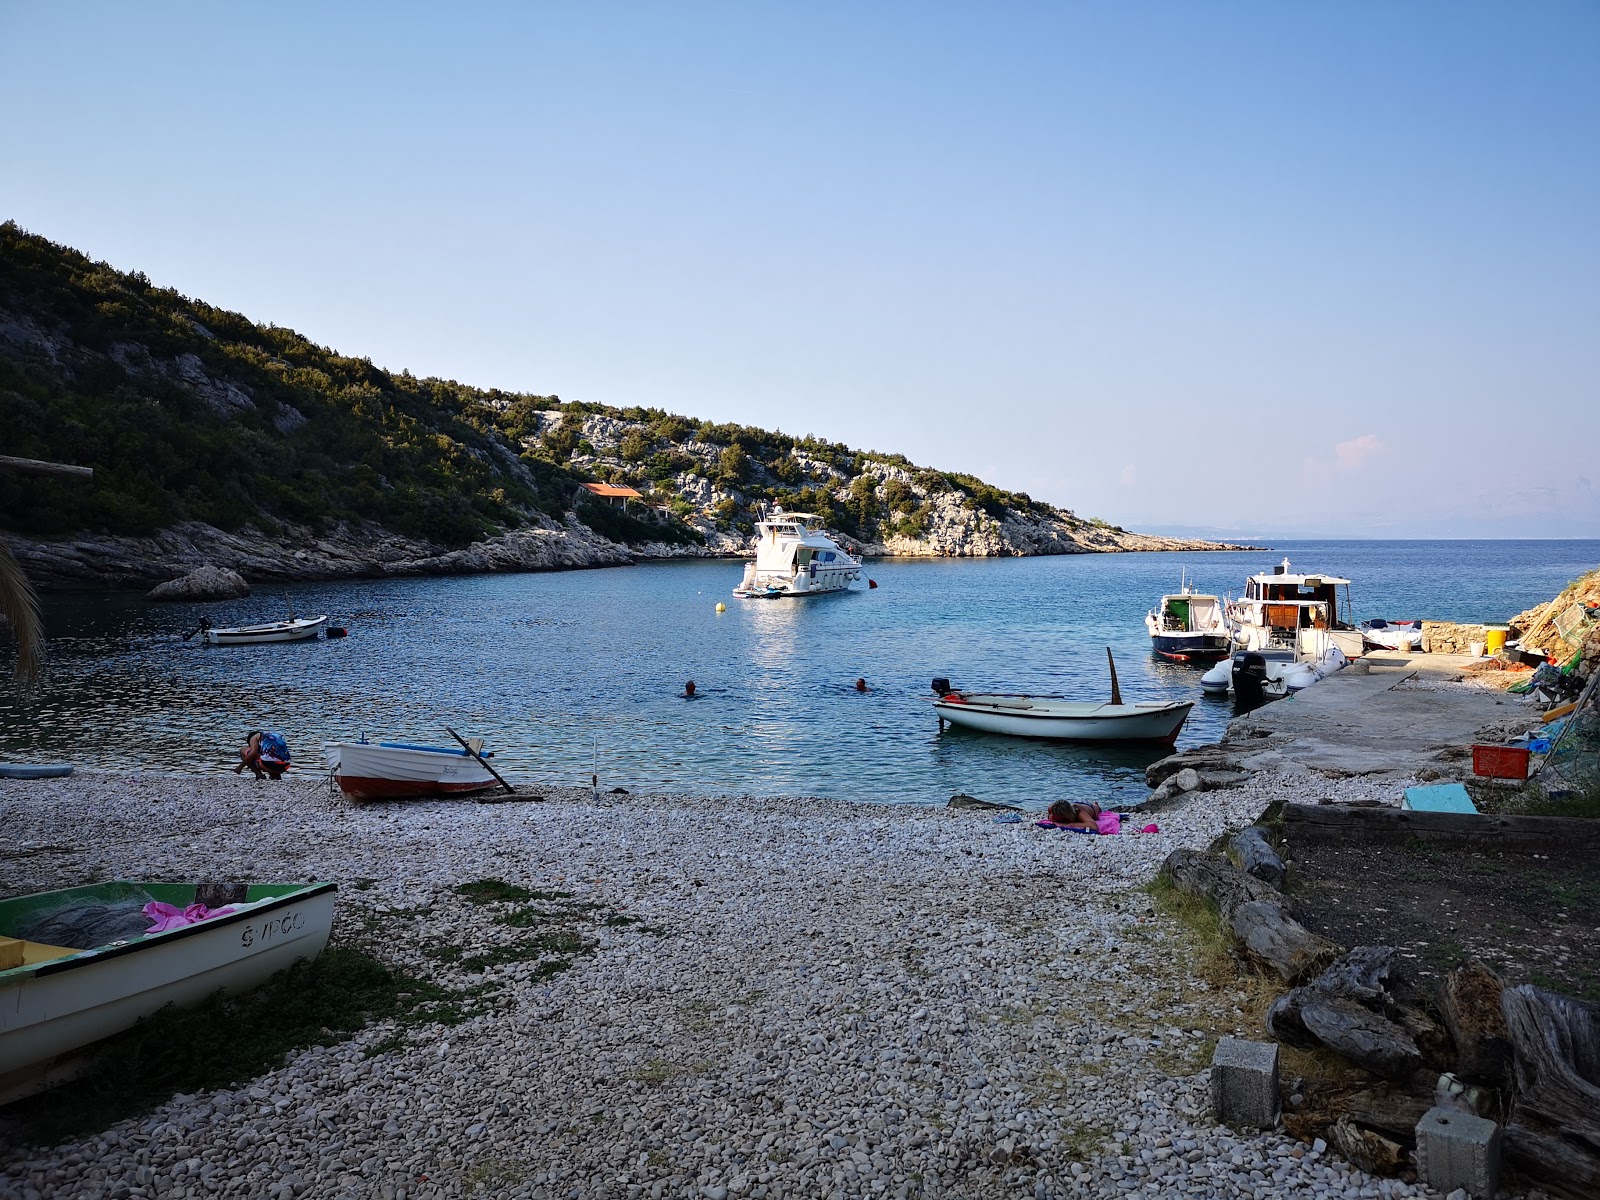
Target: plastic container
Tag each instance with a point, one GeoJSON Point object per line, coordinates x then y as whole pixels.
{"type": "Point", "coordinates": [1475, 649]}
{"type": "Point", "coordinates": [1494, 638]}
{"type": "Point", "coordinates": [1500, 762]}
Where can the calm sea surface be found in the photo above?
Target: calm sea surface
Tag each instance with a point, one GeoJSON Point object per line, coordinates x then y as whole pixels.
{"type": "Point", "coordinates": [581, 672]}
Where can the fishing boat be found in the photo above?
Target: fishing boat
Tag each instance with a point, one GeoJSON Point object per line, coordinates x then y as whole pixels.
{"type": "Point", "coordinates": [404, 770]}
{"type": "Point", "coordinates": [56, 999]}
{"type": "Point", "coordinates": [295, 629]}
{"type": "Point", "coordinates": [794, 558]}
{"type": "Point", "coordinates": [1189, 626]}
{"type": "Point", "coordinates": [1058, 718]}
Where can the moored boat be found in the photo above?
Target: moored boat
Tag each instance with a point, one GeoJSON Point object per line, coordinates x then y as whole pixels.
{"type": "Point", "coordinates": [794, 558]}
{"type": "Point", "coordinates": [1189, 626]}
{"type": "Point", "coordinates": [1058, 718]}
{"type": "Point", "coordinates": [294, 629]}
{"type": "Point", "coordinates": [60, 996]}
{"type": "Point", "coordinates": [405, 770]}
{"type": "Point", "coordinates": [1304, 614]}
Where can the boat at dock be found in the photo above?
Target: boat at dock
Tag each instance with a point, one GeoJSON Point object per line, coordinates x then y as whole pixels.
{"type": "Point", "coordinates": [794, 558]}
{"type": "Point", "coordinates": [1282, 610]}
{"type": "Point", "coordinates": [61, 996]}
{"type": "Point", "coordinates": [1189, 626]}
{"type": "Point", "coordinates": [407, 771]}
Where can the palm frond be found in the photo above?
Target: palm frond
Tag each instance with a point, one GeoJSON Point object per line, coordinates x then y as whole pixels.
{"type": "Point", "coordinates": [19, 608]}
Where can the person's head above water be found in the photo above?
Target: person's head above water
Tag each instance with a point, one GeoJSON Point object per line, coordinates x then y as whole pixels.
{"type": "Point", "coordinates": [688, 688]}
{"type": "Point", "coordinates": [861, 685]}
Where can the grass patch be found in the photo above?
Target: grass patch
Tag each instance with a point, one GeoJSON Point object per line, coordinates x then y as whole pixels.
{"type": "Point", "coordinates": [1211, 959]}
{"type": "Point", "coordinates": [1444, 955]}
{"type": "Point", "coordinates": [232, 1039]}
{"type": "Point", "coordinates": [492, 891]}
{"type": "Point", "coordinates": [657, 1071]}
{"type": "Point", "coordinates": [494, 1173]}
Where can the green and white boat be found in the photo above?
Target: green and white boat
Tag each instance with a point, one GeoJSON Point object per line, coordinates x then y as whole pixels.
{"type": "Point", "coordinates": [57, 999]}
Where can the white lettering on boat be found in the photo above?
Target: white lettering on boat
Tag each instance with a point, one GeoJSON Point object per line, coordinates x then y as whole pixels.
{"type": "Point", "coordinates": [277, 927]}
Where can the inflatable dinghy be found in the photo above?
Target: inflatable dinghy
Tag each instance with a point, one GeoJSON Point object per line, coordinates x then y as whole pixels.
{"type": "Point", "coordinates": [34, 770]}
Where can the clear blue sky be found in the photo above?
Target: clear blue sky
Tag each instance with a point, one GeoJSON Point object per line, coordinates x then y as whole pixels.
{"type": "Point", "coordinates": [1323, 269]}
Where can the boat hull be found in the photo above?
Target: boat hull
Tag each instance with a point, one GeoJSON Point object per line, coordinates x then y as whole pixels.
{"type": "Point", "coordinates": [51, 1010]}
{"type": "Point", "coordinates": [1192, 647]}
{"type": "Point", "coordinates": [276, 631]}
{"type": "Point", "coordinates": [375, 771]}
{"type": "Point", "coordinates": [1041, 717]}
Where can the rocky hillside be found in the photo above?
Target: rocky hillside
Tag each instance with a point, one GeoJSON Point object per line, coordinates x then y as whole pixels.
{"type": "Point", "coordinates": [217, 440]}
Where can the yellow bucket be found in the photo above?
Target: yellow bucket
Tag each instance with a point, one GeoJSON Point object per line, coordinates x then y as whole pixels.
{"type": "Point", "coordinates": [1494, 638]}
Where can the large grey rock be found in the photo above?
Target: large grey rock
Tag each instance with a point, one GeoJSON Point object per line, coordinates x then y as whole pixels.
{"type": "Point", "coordinates": [207, 583]}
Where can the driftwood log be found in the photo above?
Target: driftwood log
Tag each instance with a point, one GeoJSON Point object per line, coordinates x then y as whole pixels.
{"type": "Point", "coordinates": [1366, 1149]}
{"type": "Point", "coordinates": [1257, 858]}
{"type": "Point", "coordinates": [1554, 1135]}
{"type": "Point", "coordinates": [1470, 1002]}
{"type": "Point", "coordinates": [1353, 1010]}
{"type": "Point", "coordinates": [1263, 932]}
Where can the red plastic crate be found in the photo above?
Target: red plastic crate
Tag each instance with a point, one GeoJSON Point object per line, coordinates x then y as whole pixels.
{"type": "Point", "coordinates": [1500, 762]}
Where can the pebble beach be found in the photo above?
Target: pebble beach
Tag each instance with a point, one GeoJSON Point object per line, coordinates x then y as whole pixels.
{"type": "Point", "coordinates": [790, 998]}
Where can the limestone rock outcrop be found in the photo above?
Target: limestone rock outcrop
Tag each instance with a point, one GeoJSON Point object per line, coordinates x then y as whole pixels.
{"type": "Point", "coordinates": [206, 583]}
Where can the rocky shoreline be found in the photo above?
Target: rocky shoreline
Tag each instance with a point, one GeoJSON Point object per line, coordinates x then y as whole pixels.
{"type": "Point", "coordinates": [107, 562]}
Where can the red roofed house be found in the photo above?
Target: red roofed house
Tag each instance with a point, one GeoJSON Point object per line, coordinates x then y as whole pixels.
{"type": "Point", "coordinates": [612, 494]}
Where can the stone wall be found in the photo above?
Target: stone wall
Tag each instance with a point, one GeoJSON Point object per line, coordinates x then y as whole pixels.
{"type": "Point", "coordinates": [1446, 637]}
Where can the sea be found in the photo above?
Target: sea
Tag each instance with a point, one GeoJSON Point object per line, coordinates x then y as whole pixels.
{"type": "Point", "coordinates": [577, 678]}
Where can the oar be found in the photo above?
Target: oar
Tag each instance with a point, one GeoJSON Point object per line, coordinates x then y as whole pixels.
{"type": "Point", "coordinates": [465, 746]}
{"type": "Point", "coordinates": [1116, 692]}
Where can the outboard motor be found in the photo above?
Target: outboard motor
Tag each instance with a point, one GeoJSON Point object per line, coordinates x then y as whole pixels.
{"type": "Point", "coordinates": [941, 686]}
{"type": "Point", "coordinates": [1249, 679]}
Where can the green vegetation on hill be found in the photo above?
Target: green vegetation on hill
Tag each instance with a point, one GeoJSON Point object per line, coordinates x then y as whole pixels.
{"type": "Point", "coordinates": [192, 413]}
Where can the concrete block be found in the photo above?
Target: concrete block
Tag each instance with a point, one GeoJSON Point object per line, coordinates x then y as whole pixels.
{"type": "Point", "coordinates": [1244, 1083]}
{"type": "Point", "coordinates": [1458, 1150]}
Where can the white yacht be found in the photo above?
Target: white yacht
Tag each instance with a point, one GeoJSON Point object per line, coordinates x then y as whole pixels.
{"type": "Point", "coordinates": [1281, 610]}
{"type": "Point", "coordinates": [793, 558]}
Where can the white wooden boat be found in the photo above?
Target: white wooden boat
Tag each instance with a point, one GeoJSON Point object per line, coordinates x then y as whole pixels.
{"type": "Point", "coordinates": [794, 559]}
{"type": "Point", "coordinates": [295, 629]}
{"type": "Point", "coordinates": [403, 770]}
{"type": "Point", "coordinates": [1064, 720]}
{"type": "Point", "coordinates": [55, 1000]}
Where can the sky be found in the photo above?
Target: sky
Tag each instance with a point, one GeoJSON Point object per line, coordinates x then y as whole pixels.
{"type": "Point", "coordinates": [1294, 269]}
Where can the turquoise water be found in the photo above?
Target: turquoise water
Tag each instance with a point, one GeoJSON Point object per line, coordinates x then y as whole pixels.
{"type": "Point", "coordinates": [579, 673]}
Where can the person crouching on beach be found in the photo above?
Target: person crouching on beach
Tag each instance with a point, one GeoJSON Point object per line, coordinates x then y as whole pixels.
{"type": "Point", "coordinates": [265, 753]}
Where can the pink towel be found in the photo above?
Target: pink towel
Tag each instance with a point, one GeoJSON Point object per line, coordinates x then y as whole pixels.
{"type": "Point", "coordinates": [167, 917]}
{"type": "Point", "coordinates": [1109, 822]}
